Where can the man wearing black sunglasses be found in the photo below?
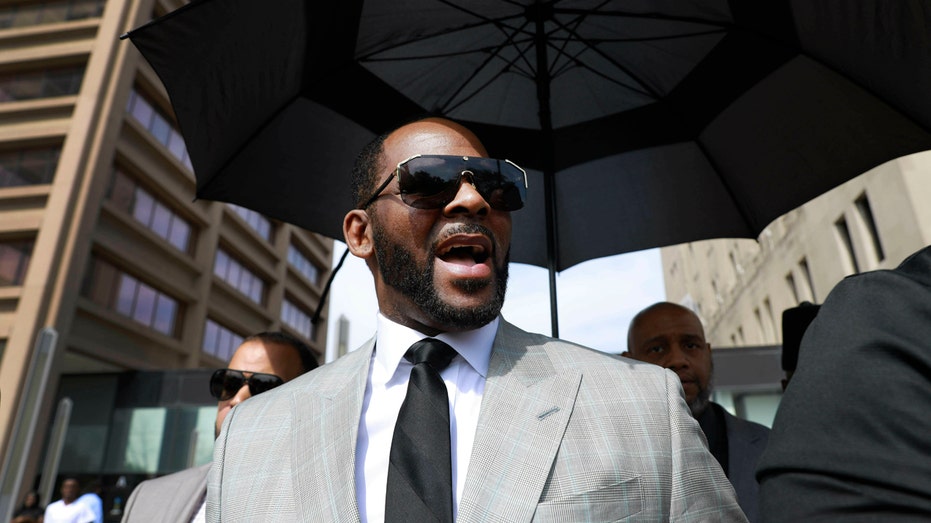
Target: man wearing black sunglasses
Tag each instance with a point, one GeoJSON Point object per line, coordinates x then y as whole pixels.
{"type": "Point", "coordinates": [450, 413]}
{"type": "Point", "coordinates": [262, 362]}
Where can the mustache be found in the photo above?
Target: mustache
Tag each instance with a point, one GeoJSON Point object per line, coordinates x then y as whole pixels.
{"type": "Point", "coordinates": [464, 228]}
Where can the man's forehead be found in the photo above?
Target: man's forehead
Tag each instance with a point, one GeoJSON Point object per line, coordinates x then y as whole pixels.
{"type": "Point", "coordinates": [433, 136]}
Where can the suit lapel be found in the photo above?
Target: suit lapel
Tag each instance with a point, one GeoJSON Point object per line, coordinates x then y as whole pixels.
{"type": "Point", "coordinates": [525, 409]}
{"type": "Point", "coordinates": [326, 427]}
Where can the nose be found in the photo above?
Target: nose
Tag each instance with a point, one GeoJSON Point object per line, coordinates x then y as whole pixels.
{"type": "Point", "coordinates": [676, 358]}
{"type": "Point", "coordinates": [467, 199]}
{"type": "Point", "coordinates": [241, 395]}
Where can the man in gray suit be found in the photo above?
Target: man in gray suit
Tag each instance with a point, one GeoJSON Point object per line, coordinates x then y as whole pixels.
{"type": "Point", "coordinates": [672, 336]}
{"type": "Point", "coordinates": [539, 429]}
{"type": "Point", "coordinates": [263, 361]}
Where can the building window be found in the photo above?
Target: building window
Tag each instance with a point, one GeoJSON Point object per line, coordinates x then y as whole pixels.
{"type": "Point", "coordinates": [848, 256]}
{"type": "Point", "coordinates": [242, 279]}
{"type": "Point", "coordinates": [806, 271]}
{"type": "Point", "coordinates": [124, 294]}
{"type": "Point", "coordinates": [49, 83]}
{"type": "Point", "coordinates": [128, 196]}
{"type": "Point", "coordinates": [24, 14]}
{"type": "Point", "coordinates": [296, 318]}
{"type": "Point", "coordinates": [220, 341]}
{"type": "Point", "coordinates": [260, 224]}
{"type": "Point", "coordinates": [14, 261]}
{"type": "Point", "coordinates": [790, 282]}
{"type": "Point", "coordinates": [866, 215]}
{"type": "Point", "coordinates": [158, 125]}
{"type": "Point", "coordinates": [301, 264]}
{"type": "Point", "coordinates": [770, 321]}
{"type": "Point", "coordinates": [33, 166]}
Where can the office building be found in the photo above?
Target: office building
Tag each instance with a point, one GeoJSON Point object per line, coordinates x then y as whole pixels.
{"type": "Point", "coordinates": [740, 287]}
{"type": "Point", "coordinates": [106, 264]}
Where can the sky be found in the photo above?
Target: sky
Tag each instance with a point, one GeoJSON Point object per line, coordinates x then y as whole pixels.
{"type": "Point", "coordinates": [596, 299]}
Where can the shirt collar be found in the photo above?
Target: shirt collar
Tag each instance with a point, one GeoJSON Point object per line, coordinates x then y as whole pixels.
{"type": "Point", "coordinates": [393, 339]}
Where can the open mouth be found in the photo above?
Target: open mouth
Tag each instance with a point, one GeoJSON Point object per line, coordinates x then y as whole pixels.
{"type": "Point", "coordinates": [463, 254]}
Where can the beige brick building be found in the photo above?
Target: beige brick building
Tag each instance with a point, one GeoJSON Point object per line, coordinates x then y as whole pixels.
{"type": "Point", "coordinates": [99, 238]}
{"type": "Point", "coordinates": [740, 287]}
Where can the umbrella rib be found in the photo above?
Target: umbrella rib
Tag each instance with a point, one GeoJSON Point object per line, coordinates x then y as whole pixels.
{"type": "Point", "coordinates": [573, 59]}
{"type": "Point", "coordinates": [648, 16]}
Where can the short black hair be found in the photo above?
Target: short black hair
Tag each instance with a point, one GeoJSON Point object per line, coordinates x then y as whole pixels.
{"type": "Point", "coordinates": [308, 360]}
{"type": "Point", "coordinates": [365, 171]}
{"type": "Point", "coordinates": [365, 174]}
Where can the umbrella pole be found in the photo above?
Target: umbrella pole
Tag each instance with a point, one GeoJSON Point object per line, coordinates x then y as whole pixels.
{"type": "Point", "coordinates": [326, 288]}
{"type": "Point", "coordinates": [543, 79]}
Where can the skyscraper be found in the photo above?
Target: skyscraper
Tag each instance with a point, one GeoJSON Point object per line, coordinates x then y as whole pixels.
{"type": "Point", "coordinates": [100, 241]}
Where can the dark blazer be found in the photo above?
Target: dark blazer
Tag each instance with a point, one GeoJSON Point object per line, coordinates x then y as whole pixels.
{"type": "Point", "coordinates": [852, 438]}
{"type": "Point", "coordinates": [745, 443]}
{"type": "Point", "coordinates": [564, 433]}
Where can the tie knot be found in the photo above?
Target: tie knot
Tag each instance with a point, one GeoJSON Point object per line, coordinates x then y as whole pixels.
{"type": "Point", "coordinates": [431, 351]}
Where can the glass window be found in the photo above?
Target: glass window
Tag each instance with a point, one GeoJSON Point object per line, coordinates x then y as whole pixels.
{"type": "Point", "coordinates": [158, 124]}
{"type": "Point", "coordinates": [176, 144]}
{"type": "Point", "coordinates": [28, 14]}
{"type": "Point", "coordinates": [180, 233]}
{"type": "Point", "coordinates": [33, 166]}
{"type": "Point", "coordinates": [142, 210]}
{"type": "Point", "coordinates": [154, 214]}
{"type": "Point", "coordinates": [297, 319]}
{"type": "Point", "coordinates": [141, 110]}
{"type": "Point", "coordinates": [126, 295]}
{"type": "Point", "coordinates": [160, 128]}
{"type": "Point", "coordinates": [260, 224]}
{"type": "Point", "coordinates": [161, 220]}
{"type": "Point", "coordinates": [14, 261]}
{"type": "Point", "coordinates": [42, 83]}
{"type": "Point", "coordinates": [122, 191]}
{"type": "Point", "coordinates": [144, 310]}
{"type": "Point", "coordinates": [134, 299]}
{"type": "Point", "coordinates": [165, 311]}
{"type": "Point", "coordinates": [242, 279]}
{"type": "Point", "coordinates": [220, 341]}
{"type": "Point", "coordinates": [303, 265]}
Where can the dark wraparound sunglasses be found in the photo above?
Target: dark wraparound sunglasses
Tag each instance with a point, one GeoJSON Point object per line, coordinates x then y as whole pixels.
{"type": "Point", "coordinates": [432, 181]}
{"type": "Point", "coordinates": [225, 383]}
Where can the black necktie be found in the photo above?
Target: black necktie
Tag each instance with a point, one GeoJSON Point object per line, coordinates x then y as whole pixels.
{"type": "Point", "coordinates": [420, 478]}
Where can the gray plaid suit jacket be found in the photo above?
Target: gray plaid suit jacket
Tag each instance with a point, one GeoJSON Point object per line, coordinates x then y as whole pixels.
{"type": "Point", "coordinates": [175, 497]}
{"type": "Point", "coordinates": [565, 433]}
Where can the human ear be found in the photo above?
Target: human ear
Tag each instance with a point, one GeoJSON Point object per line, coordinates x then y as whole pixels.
{"type": "Point", "coordinates": [357, 231]}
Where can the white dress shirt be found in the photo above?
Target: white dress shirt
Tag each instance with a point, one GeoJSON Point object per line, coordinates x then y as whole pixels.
{"type": "Point", "coordinates": [388, 375]}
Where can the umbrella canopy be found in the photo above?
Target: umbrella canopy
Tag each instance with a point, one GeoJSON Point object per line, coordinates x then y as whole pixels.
{"type": "Point", "coordinates": [643, 123]}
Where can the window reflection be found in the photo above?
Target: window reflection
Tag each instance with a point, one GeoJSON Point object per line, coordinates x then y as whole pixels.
{"type": "Point", "coordinates": [157, 216]}
{"type": "Point", "coordinates": [133, 298]}
{"type": "Point", "coordinates": [242, 279]}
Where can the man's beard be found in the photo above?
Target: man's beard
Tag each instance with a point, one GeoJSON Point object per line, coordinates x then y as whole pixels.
{"type": "Point", "coordinates": [700, 403]}
{"type": "Point", "coordinates": [400, 270]}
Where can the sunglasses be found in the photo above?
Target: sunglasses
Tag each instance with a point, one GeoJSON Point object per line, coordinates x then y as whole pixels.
{"type": "Point", "coordinates": [432, 181]}
{"type": "Point", "coordinates": [225, 383]}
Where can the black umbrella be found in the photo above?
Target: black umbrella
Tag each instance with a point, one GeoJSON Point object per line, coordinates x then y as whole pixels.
{"type": "Point", "coordinates": [644, 123]}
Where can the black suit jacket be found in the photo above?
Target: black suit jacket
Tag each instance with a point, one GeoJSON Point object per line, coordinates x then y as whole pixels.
{"type": "Point", "coordinates": [852, 438]}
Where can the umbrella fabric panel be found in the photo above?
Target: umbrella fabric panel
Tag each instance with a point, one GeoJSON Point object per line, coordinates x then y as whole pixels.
{"type": "Point", "coordinates": [883, 46]}
{"type": "Point", "coordinates": [226, 87]}
{"type": "Point", "coordinates": [801, 132]}
{"type": "Point", "coordinates": [296, 172]}
{"type": "Point", "coordinates": [477, 61]}
{"type": "Point", "coordinates": [642, 199]}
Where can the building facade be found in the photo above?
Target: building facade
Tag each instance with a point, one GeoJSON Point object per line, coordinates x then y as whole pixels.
{"type": "Point", "coordinates": [106, 264]}
{"type": "Point", "coordinates": [740, 287]}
